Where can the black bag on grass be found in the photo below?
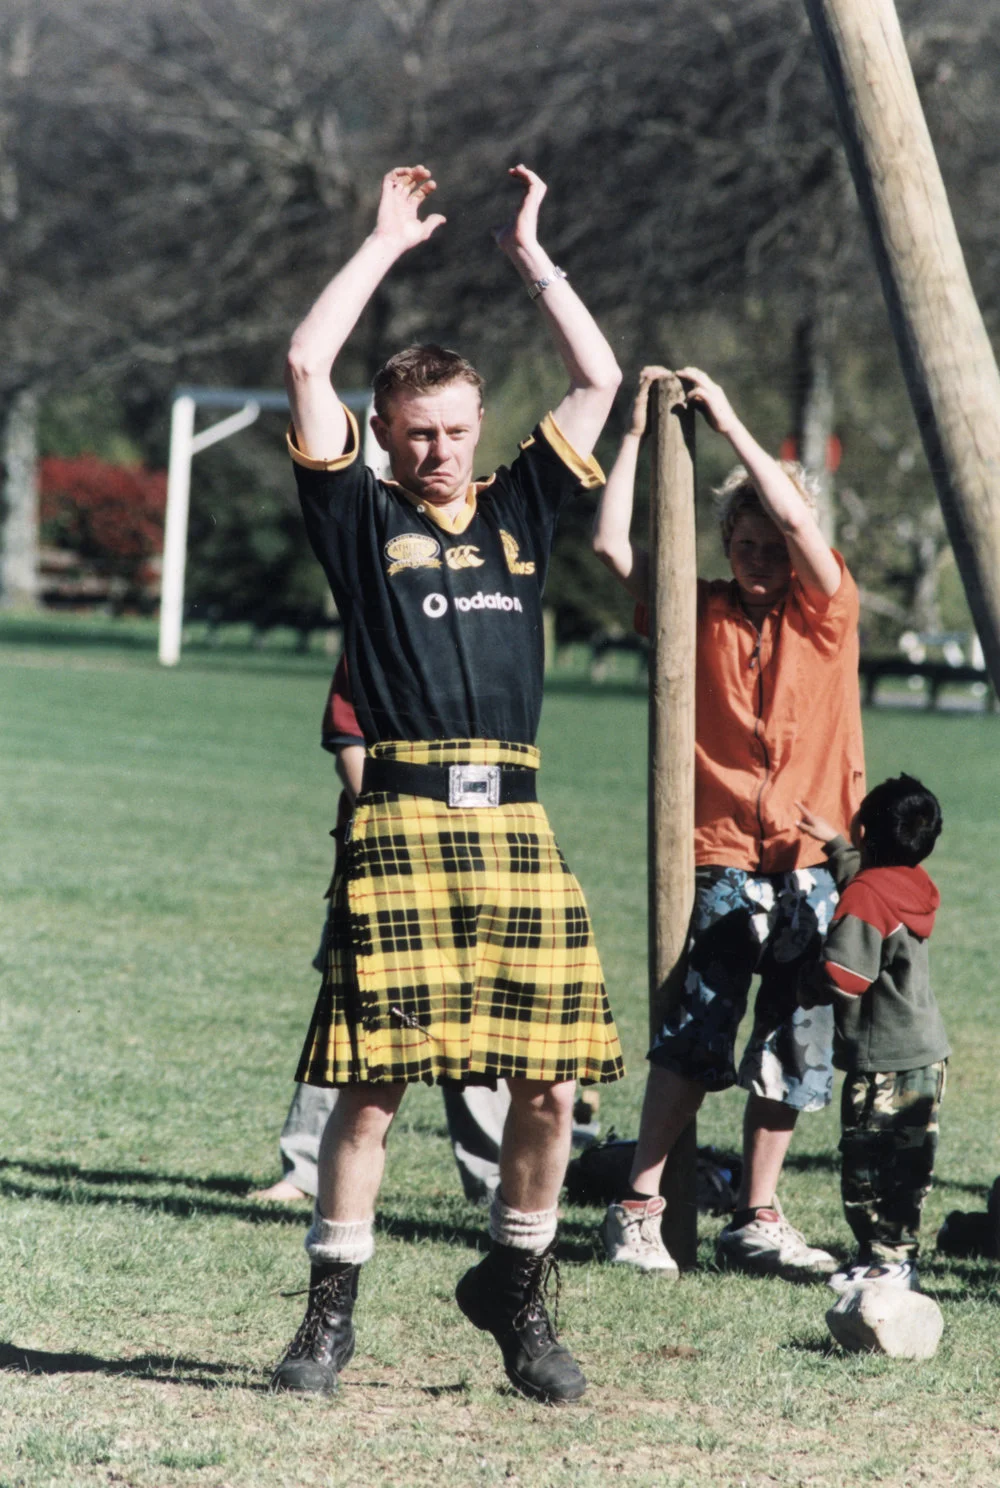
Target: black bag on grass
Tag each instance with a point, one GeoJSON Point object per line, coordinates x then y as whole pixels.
{"type": "Point", "coordinates": [601, 1173]}
{"type": "Point", "coordinates": [973, 1235]}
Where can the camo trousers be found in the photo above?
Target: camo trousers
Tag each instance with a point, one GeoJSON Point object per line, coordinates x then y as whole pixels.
{"type": "Point", "coordinates": [890, 1133]}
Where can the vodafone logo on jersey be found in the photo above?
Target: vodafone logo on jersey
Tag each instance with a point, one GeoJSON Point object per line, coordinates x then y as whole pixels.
{"type": "Point", "coordinates": [436, 605]}
{"type": "Point", "coordinates": [483, 601]}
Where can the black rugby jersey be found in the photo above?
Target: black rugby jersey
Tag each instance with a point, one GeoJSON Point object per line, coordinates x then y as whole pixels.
{"type": "Point", "coordinates": [442, 616]}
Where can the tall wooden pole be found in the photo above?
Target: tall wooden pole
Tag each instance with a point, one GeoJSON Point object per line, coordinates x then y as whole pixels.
{"type": "Point", "coordinates": [672, 611]}
{"type": "Point", "coordinates": [945, 352]}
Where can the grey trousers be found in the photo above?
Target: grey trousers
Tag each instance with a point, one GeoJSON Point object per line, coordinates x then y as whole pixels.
{"type": "Point", "coordinates": [475, 1118]}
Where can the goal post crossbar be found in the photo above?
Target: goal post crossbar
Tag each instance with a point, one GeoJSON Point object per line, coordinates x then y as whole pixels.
{"type": "Point", "coordinates": [247, 404]}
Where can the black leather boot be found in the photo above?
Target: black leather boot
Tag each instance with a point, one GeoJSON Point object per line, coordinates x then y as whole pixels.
{"type": "Point", "coordinates": [505, 1295]}
{"type": "Point", "coordinates": [325, 1341]}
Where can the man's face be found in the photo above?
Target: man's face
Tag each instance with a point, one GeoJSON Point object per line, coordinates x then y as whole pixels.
{"type": "Point", "coordinates": [431, 440]}
{"type": "Point", "coordinates": [758, 556]}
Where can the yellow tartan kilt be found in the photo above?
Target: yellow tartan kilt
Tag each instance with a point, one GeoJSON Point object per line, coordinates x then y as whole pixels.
{"type": "Point", "coordinates": [459, 945]}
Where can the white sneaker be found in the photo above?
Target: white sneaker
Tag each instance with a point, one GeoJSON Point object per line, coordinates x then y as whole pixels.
{"type": "Point", "coordinates": [631, 1235]}
{"type": "Point", "coordinates": [770, 1246]}
{"type": "Point", "coordinates": [900, 1274]}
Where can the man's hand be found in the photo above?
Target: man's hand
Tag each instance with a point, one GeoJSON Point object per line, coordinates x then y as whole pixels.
{"type": "Point", "coordinates": [521, 231]}
{"type": "Point", "coordinates": [815, 826]}
{"type": "Point", "coordinates": [593, 372]}
{"type": "Point", "coordinates": [816, 569]}
{"type": "Point", "coordinates": [320, 421]}
{"type": "Point", "coordinates": [404, 191]}
{"type": "Point", "coordinates": [640, 407]}
{"type": "Point", "coordinates": [710, 399]}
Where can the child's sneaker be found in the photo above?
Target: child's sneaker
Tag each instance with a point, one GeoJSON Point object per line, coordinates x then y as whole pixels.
{"type": "Point", "coordinates": [768, 1245]}
{"type": "Point", "coordinates": [900, 1274]}
{"type": "Point", "coordinates": [631, 1235]}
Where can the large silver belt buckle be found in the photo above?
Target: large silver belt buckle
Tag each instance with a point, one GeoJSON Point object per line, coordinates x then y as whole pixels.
{"type": "Point", "coordinates": [473, 785]}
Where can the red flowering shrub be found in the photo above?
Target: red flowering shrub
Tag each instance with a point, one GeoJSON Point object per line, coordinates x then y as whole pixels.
{"type": "Point", "coordinates": [111, 516]}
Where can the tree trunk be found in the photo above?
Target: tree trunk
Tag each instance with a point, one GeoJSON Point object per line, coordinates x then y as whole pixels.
{"type": "Point", "coordinates": [947, 359]}
{"type": "Point", "coordinates": [814, 407]}
{"type": "Point", "coordinates": [19, 538]}
{"type": "Point", "coordinates": [672, 615]}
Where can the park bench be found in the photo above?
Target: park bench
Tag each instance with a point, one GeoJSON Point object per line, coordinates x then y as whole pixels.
{"type": "Point", "coordinates": [936, 675]}
{"type": "Point", "coordinates": [872, 669]}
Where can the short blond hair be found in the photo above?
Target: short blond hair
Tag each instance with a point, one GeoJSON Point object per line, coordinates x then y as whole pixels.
{"type": "Point", "coordinates": [738, 494]}
{"type": "Point", "coordinates": [421, 369]}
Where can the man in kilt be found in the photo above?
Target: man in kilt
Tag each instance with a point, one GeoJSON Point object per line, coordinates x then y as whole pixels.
{"type": "Point", "coordinates": [460, 947]}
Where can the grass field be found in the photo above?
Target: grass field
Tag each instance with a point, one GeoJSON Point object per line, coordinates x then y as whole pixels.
{"type": "Point", "coordinates": [164, 853]}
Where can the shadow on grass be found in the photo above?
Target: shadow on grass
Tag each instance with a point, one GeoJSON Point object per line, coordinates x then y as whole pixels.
{"type": "Point", "coordinates": [73, 1184]}
{"type": "Point", "coordinates": [178, 1205]}
{"type": "Point", "coordinates": [952, 1279]}
{"type": "Point", "coordinates": [161, 1368]}
{"type": "Point", "coordinates": [97, 1187]}
{"type": "Point", "coordinates": [824, 1348]}
{"type": "Point", "coordinates": [813, 1162]}
{"type": "Point", "coordinates": [953, 1185]}
{"type": "Point", "coordinates": [224, 1183]}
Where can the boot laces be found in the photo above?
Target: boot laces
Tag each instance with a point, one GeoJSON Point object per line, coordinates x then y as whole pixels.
{"type": "Point", "coordinates": [537, 1275]}
{"type": "Point", "coordinates": [326, 1298]}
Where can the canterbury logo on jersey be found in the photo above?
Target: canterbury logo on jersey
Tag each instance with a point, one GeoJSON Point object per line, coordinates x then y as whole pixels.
{"type": "Point", "coordinates": [515, 565]}
{"type": "Point", "coordinates": [412, 550]}
{"type": "Point", "coordinates": [466, 555]}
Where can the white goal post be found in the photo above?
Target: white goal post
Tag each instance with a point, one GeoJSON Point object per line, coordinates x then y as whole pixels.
{"type": "Point", "coordinates": [247, 407]}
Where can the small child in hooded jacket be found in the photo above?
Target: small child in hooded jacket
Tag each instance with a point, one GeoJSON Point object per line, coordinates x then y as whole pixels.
{"type": "Point", "coordinates": [889, 1037]}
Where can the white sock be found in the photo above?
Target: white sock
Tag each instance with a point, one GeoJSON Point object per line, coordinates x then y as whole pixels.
{"type": "Point", "coordinates": [532, 1232]}
{"type": "Point", "coordinates": [328, 1240]}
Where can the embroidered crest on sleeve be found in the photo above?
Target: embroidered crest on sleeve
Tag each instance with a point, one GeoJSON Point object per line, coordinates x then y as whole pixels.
{"type": "Point", "coordinates": [466, 555]}
{"type": "Point", "coordinates": [412, 550]}
{"type": "Point", "coordinates": [515, 565]}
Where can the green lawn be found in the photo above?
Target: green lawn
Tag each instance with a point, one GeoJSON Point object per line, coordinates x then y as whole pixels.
{"type": "Point", "coordinates": [164, 851]}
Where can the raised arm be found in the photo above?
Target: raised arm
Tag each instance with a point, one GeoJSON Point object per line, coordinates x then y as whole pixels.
{"type": "Point", "coordinates": [810, 552]}
{"type": "Point", "coordinates": [594, 374]}
{"type": "Point", "coordinates": [611, 539]}
{"type": "Point", "coordinates": [320, 425]}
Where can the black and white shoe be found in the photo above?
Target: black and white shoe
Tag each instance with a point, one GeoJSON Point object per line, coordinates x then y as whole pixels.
{"type": "Point", "coordinates": [902, 1275]}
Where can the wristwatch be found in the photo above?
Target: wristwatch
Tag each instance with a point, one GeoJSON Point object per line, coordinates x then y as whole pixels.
{"type": "Point", "coordinates": [541, 285]}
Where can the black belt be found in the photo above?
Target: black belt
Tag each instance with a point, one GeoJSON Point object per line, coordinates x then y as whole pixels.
{"type": "Point", "coordinates": [459, 785]}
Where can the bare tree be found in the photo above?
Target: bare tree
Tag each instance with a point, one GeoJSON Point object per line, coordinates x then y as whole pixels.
{"type": "Point", "coordinates": [178, 179]}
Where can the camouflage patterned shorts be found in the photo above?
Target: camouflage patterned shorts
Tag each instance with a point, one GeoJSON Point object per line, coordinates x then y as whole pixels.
{"type": "Point", "coordinates": [742, 924]}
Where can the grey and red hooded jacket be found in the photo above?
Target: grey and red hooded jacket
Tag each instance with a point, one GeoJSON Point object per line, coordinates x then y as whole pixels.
{"type": "Point", "coordinates": [874, 968]}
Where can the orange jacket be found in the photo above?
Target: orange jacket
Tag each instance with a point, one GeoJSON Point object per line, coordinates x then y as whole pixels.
{"type": "Point", "coordinates": [777, 719]}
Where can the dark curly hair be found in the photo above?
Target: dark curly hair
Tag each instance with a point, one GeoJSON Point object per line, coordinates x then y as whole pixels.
{"type": "Point", "coordinates": [901, 820]}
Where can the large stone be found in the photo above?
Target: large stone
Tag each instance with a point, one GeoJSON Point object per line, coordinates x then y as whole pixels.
{"type": "Point", "coordinates": [870, 1318]}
